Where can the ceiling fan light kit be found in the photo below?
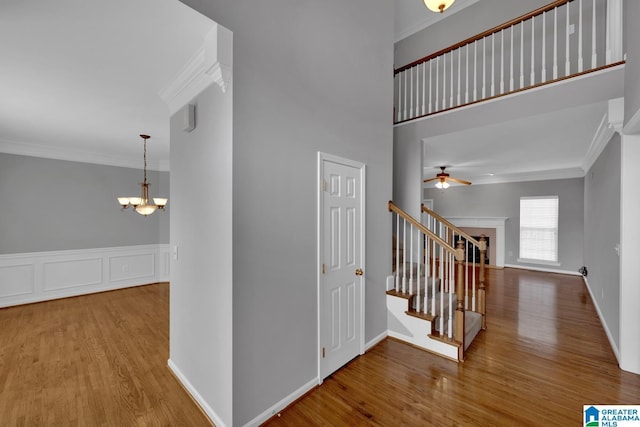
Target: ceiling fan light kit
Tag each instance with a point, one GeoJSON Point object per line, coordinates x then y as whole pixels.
{"type": "Point", "coordinates": [444, 178]}
{"type": "Point", "coordinates": [438, 5]}
{"type": "Point", "coordinates": [142, 204]}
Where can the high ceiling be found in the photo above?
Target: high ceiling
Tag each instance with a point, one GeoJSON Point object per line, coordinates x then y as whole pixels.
{"type": "Point", "coordinates": [549, 141]}
{"type": "Point", "coordinates": [81, 79]}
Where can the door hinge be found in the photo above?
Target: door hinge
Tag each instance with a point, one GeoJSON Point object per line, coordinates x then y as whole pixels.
{"type": "Point", "coordinates": [323, 269]}
{"type": "Point", "coordinates": [323, 353]}
{"type": "Point", "coordinates": [324, 185]}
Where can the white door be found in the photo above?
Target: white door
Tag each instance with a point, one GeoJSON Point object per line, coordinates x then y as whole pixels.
{"type": "Point", "coordinates": [341, 278]}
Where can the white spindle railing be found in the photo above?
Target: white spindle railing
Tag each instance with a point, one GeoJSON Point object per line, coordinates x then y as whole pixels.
{"type": "Point", "coordinates": [448, 83]}
{"type": "Point", "coordinates": [425, 269]}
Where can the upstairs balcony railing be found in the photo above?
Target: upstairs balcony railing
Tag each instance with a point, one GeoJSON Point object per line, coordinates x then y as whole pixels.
{"type": "Point", "coordinates": [561, 40]}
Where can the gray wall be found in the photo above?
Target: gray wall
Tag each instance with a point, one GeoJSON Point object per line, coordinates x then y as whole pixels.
{"type": "Point", "coordinates": [308, 76]}
{"type": "Point", "coordinates": [602, 234]}
{"type": "Point", "coordinates": [201, 229]}
{"type": "Point", "coordinates": [503, 200]}
{"type": "Point", "coordinates": [50, 205]}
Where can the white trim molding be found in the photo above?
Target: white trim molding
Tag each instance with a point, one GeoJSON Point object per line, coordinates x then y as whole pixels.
{"type": "Point", "coordinates": [195, 395]}
{"type": "Point", "coordinates": [212, 63]}
{"type": "Point", "coordinates": [486, 222]}
{"type": "Point", "coordinates": [40, 276]}
{"type": "Point", "coordinates": [282, 404]}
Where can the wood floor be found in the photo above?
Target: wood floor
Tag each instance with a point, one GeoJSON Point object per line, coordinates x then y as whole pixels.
{"type": "Point", "coordinates": [96, 360]}
{"type": "Point", "coordinates": [543, 356]}
{"type": "Point", "coordinates": [100, 360]}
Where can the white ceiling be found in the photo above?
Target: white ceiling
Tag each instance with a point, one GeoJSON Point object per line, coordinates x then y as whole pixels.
{"type": "Point", "coordinates": [80, 79]}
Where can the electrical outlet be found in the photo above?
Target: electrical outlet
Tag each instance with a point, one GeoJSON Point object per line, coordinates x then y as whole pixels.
{"type": "Point", "coordinates": [572, 28]}
{"type": "Point", "coordinates": [125, 268]}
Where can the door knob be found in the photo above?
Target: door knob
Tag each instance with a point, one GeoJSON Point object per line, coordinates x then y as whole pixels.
{"type": "Point", "coordinates": [359, 272]}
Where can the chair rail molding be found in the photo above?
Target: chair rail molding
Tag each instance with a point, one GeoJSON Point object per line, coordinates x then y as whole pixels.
{"type": "Point", "coordinates": [40, 276]}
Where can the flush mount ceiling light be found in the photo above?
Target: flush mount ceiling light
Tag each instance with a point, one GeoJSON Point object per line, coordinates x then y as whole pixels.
{"type": "Point", "coordinates": [443, 179]}
{"type": "Point", "coordinates": [438, 5]}
{"type": "Point", "coordinates": [141, 204]}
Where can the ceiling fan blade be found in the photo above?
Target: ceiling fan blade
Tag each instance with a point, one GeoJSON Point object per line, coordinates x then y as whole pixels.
{"type": "Point", "coordinates": [432, 179]}
{"type": "Point", "coordinates": [459, 181]}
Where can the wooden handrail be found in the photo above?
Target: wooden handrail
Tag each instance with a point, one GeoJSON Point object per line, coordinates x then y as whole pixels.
{"type": "Point", "coordinates": [484, 34]}
{"type": "Point", "coordinates": [450, 225]}
{"type": "Point", "coordinates": [394, 208]}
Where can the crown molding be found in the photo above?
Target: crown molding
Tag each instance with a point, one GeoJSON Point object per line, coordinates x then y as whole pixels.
{"type": "Point", "coordinates": [210, 64]}
{"type": "Point", "coordinates": [70, 155]}
{"type": "Point", "coordinates": [611, 123]}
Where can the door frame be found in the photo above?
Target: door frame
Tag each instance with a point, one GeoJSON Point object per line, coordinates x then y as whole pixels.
{"type": "Point", "coordinates": [322, 158]}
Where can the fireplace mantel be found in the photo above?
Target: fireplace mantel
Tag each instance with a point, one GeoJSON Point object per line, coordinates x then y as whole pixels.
{"type": "Point", "coordinates": [486, 222]}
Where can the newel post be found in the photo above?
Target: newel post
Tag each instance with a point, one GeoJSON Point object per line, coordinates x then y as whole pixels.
{"type": "Point", "coordinates": [482, 302]}
{"type": "Point", "coordinates": [459, 319]}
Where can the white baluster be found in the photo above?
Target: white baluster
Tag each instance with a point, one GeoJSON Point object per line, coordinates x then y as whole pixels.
{"type": "Point", "coordinates": [437, 83]}
{"type": "Point", "coordinates": [594, 54]}
{"type": "Point", "coordinates": [442, 279]}
{"type": "Point", "coordinates": [502, 61]}
{"type": "Point", "coordinates": [404, 106]}
{"type": "Point", "coordinates": [473, 278]}
{"type": "Point", "coordinates": [411, 257]}
{"type": "Point", "coordinates": [451, 88]}
{"type": "Point", "coordinates": [567, 65]}
{"type": "Point", "coordinates": [452, 287]}
{"type": "Point", "coordinates": [418, 275]}
{"type": "Point", "coordinates": [444, 81]}
{"type": "Point", "coordinates": [424, 88]}
{"type": "Point", "coordinates": [493, 65]}
{"type": "Point", "coordinates": [404, 256]}
{"type": "Point", "coordinates": [475, 70]}
{"type": "Point", "coordinates": [555, 43]}
{"type": "Point", "coordinates": [484, 75]}
{"type": "Point", "coordinates": [533, 50]}
{"type": "Point", "coordinates": [459, 72]}
{"type": "Point", "coordinates": [521, 55]}
{"type": "Point", "coordinates": [511, 63]}
{"type": "Point", "coordinates": [466, 275]}
{"type": "Point", "coordinates": [411, 92]}
{"type": "Point", "coordinates": [543, 72]}
{"type": "Point", "coordinates": [430, 85]}
{"type": "Point", "coordinates": [397, 253]}
{"type": "Point", "coordinates": [433, 274]}
{"type": "Point", "coordinates": [399, 111]}
{"type": "Point", "coordinates": [466, 81]}
{"type": "Point", "coordinates": [580, 60]}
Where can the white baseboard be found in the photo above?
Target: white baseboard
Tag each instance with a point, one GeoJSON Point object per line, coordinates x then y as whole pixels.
{"type": "Point", "coordinates": [195, 395]}
{"type": "Point", "coordinates": [375, 341]}
{"type": "Point", "coordinates": [275, 409]}
{"type": "Point", "coordinates": [40, 276]}
{"type": "Point", "coordinates": [614, 347]}
{"type": "Point", "coordinates": [546, 270]}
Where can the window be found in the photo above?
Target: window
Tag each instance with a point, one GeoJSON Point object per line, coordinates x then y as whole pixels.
{"type": "Point", "coordinates": [539, 229]}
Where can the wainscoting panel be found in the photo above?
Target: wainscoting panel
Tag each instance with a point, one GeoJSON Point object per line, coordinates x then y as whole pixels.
{"type": "Point", "coordinates": [72, 274]}
{"type": "Point", "coordinates": [40, 276]}
{"type": "Point", "coordinates": [16, 280]}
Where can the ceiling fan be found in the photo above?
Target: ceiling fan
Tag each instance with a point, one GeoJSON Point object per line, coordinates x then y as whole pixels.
{"type": "Point", "coordinates": [443, 177]}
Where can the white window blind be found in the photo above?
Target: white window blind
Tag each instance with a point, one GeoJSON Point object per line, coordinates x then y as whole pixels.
{"type": "Point", "coordinates": [539, 228]}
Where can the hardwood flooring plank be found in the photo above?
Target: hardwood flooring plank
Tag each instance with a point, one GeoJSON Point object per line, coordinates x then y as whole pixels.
{"type": "Point", "coordinates": [94, 360]}
{"type": "Point", "coordinates": [544, 355]}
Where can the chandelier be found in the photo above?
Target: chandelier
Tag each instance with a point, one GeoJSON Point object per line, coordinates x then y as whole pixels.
{"type": "Point", "coordinates": [438, 5]}
{"type": "Point", "coordinates": [141, 204]}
